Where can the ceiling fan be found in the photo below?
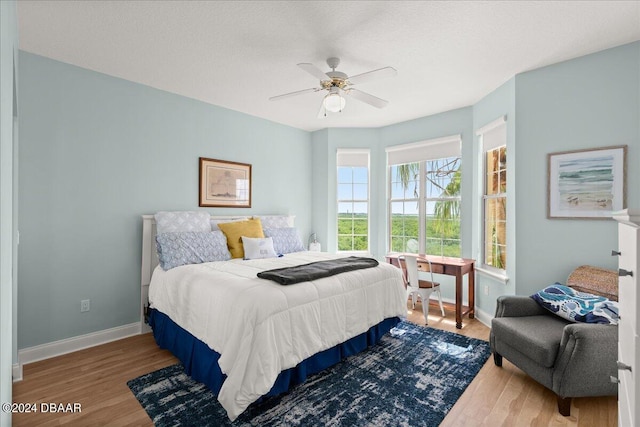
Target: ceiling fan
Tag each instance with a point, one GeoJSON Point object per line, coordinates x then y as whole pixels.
{"type": "Point", "coordinates": [338, 84]}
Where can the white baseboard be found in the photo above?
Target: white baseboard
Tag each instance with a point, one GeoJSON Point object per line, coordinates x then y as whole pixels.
{"type": "Point", "coordinates": [69, 345]}
{"type": "Point", "coordinates": [483, 317]}
{"type": "Point", "coordinates": [16, 372]}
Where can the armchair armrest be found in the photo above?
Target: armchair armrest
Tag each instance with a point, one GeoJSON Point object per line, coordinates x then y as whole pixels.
{"type": "Point", "coordinates": [591, 332]}
{"type": "Point", "coordinates": [518, 306]}
{"type": "Point", "coordinates": [586, 359]}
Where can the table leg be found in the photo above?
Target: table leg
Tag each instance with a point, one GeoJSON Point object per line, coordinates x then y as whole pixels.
{"type": "Point", "coordinates": [472, 290]}
{"type": "Point", "coordinates": [459, 299]}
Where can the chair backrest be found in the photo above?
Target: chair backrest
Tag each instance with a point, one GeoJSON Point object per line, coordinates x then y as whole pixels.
{"type": "Point", "coordinates": [595, 280]}
{"type": "Point", "coordinates": [411, 263]}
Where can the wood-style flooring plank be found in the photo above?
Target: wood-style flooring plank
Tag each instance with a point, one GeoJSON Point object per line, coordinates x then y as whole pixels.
{"type": "Point", "coordinates": [97, 379]}
{"type": "Point", "coordinates": [492, 399]}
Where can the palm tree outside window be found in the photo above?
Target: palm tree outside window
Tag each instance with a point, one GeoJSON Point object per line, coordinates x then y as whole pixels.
{"type": "Point", "coordinates": [425, 207]}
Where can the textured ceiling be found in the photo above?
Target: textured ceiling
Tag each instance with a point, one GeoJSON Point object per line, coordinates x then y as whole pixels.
{"type": "Point", "coordinates": [237, 54]}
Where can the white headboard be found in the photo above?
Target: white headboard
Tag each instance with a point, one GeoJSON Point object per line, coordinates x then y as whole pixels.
{"type": "Point", "coordinates": [150, 258]}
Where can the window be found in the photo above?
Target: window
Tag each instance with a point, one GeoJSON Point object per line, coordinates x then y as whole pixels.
{"type": "Point", "coordinates": [443, 207]}
{"type": "Point", "coordinates": [424, 202]}
{"type": "Point", "coordinates": [494, 198]}
{"type": "Point", "coordinates": [404, 207]}
{"type": "Point", "coordinates": [495, 208]}
{"type": "Point", "coordinates": [353, 200]}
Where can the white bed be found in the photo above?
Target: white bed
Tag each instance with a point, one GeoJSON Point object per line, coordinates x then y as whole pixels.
{"type": "Point", "coordinates": [261, 328]}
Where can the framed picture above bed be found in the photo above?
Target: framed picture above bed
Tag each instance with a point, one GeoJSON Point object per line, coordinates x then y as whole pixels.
{"type": "Point", "coordinates": [586, 184]}
{"type": "Point", "coordinates": [224, 184]}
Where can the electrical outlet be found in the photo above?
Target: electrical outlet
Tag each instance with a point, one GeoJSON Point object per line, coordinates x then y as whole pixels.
{"type": "Point", "coordinates": [85, 305]}
{"type": "Point", "coordinates": [486, 289]}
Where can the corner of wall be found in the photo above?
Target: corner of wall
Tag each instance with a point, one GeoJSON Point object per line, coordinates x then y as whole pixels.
{"type": "Point", "coordinates": [319, 167]}
{"type": "Point", "coordinates": [500, 102]}
{"type": "Point", "coordinates": [8, 49]}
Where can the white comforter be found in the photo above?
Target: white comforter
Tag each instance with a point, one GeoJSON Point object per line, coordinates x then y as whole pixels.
{"type": "Point", "coordinates": [261, 328]}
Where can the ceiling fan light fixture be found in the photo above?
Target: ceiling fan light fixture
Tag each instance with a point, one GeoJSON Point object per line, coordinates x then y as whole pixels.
{"type": "Point", "coordinates": [334, 102]}
{"type": "Point", "coordinates": [337, 84]}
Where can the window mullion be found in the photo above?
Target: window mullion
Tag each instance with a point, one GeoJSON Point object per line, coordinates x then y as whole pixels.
{"type": "Point", "coordinates": [422, 209]}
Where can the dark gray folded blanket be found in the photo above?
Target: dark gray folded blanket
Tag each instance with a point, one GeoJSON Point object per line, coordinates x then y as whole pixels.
{"type": "Point", "coordinates": [317, 270]}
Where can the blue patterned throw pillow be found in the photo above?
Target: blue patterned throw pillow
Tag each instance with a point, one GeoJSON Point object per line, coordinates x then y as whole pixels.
{"type": "Point", "coordinates": [276, 221]}
{"type": "Point", "coordinates": [577, 306]}
{"type": "Point", "coordinates": [173, 222]}
{"type": "Point", "coordinates": [285, 240]}
{"type": "Point", "coordinates": [191, 247]}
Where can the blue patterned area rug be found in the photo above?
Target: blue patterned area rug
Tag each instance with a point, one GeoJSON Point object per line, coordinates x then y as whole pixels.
{"type": "Point", "coordinates": [412, 377]}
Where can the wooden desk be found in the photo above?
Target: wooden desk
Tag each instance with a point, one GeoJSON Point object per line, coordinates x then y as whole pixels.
{"type": "Point", "coordinates": [457, 267]}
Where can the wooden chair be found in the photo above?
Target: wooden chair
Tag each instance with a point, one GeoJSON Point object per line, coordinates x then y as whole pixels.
{"type": "Point", "coordinates": [422, 288]}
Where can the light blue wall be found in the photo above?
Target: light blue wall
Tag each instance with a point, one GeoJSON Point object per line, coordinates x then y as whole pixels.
{"type": "Point", "coordinates": [8, 205]}
{"type": "Point", "coordinates": [449, 123]}
{"type": "Point", "coordinates": [96, 153]}
{"type": "Point", "coordinates": [500, 102]}
{"type": "Point", "coordinates": [589, 102]}
{"type": "Point", "coordinates": [325, 145]}
{"type": "Point", "coordinates": [322, 211]}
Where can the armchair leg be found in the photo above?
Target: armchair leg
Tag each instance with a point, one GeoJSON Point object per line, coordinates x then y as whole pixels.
{"type": "Point", "coordinates": [497, 359]}
{"type": "Point", "coordinates": [564, 406]}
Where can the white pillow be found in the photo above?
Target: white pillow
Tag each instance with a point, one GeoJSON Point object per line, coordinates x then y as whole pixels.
{"type": "Point", "coordinates": [179, 221]}
{"type": "Point", "coordinates": [258, 248]}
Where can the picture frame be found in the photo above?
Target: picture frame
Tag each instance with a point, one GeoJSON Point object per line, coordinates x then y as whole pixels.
{"type": "Point", "coordinates": [224, 184]}
{"type": "Point", "coordinates": [586, 184]}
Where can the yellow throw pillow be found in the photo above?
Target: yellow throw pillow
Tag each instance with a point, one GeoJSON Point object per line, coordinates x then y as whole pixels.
{"type": "Point", "coordinates": [234, 232]}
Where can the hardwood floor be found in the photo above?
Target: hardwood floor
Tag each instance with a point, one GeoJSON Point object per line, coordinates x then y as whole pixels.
{"type": "Point", "coordinates": [96, 379]}
{"type": "Point", "coordinates": [506, 396]}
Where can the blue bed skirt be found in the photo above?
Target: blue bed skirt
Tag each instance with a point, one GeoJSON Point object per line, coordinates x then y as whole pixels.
{"type": "Point", "coordinates": [201, 363]}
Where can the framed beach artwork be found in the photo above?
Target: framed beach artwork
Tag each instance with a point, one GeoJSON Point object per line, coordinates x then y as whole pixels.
{"type": "Point", "coordinates": [224, 184]}
{"type": "Point", "coordinates": [586, 184]}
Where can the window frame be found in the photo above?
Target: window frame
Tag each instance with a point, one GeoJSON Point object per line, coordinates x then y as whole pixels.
{"type": "Point", "coordinates": [422, 201]}
{"type": "Point", "coordinates": [353, 153]}
{"type": "Point", "coordinates": [484, 146]}
{"type": "Point", "coordinates": [441, 199]}
{"type": "Point", "coordinates": [485, 199]}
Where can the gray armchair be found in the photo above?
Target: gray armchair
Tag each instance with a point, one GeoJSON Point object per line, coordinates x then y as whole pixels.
{"type": "Point", "coordinates": [571, 359]}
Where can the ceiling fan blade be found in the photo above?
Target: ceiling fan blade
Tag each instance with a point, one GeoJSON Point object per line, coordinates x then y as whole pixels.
{"type": "Point", "coordinates": [380, 73]}
{"type": "Point", "coordinates": [366, 98]}
{"type": "Point", "coordinates": [314, 71]}
{"type": "Point", "coordinates": [299, 92]}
